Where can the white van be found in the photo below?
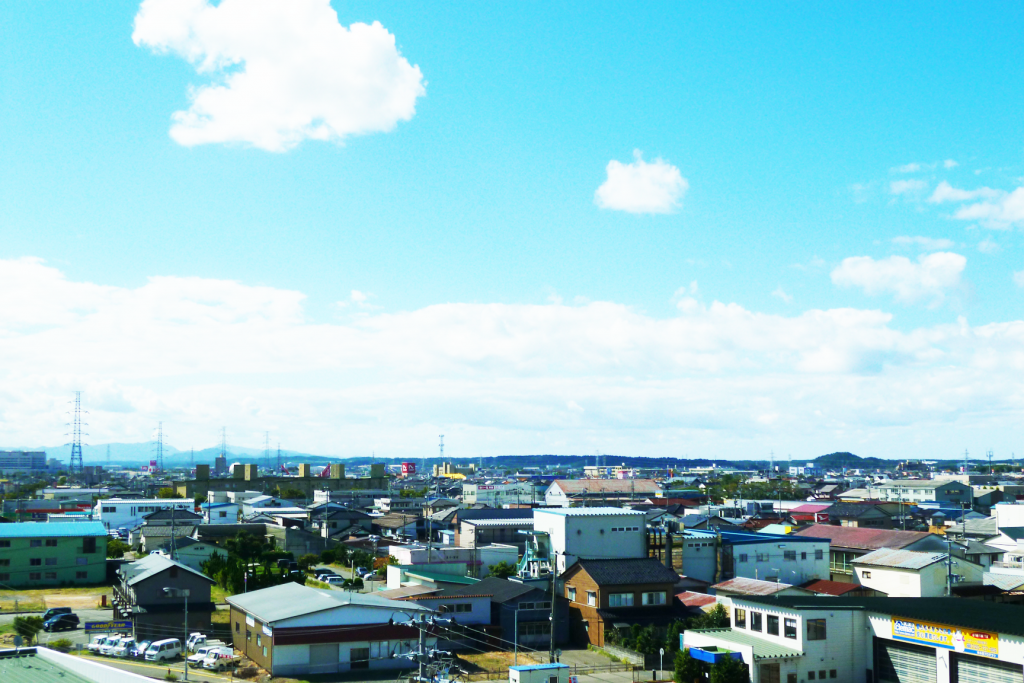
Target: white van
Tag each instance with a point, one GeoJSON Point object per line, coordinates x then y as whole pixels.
{"type": "Point", "coordinates": [163, 650]}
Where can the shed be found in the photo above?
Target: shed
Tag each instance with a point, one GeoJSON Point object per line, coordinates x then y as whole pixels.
{"type": "Point", "coordinates": [539, 673]}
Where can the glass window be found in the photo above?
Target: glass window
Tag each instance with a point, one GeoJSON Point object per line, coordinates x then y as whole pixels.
{"type": "Point", "coordinates": [815, 629]}
{"type": "Point", "coordinates": [810, 675]}
{"type": "Point", "coordinates": [739, 618]}
{"type": "Point", "coordinates": [35, 543]}
{"type": "Point", "coordinates": [35, 561]}
{"type": "Point", "coordinates": [88, 545]}
{"type": "Point", "coordinates": [5, 563]}
{"type": "Point", "coordinates": [654, 598]}
{"type": "Point", "coordinates": [81, 560]}
{"type": "Point", "coordinates": [789, 555]}
{"type": "Point", "coordinates": [620, 600]}
{"type": "Point", "coordinates": [51, 575]}
{"type": "Point", "coordinates": [865, 574]}
{"type": "Point", "coordinates": [832, 673]}
{"type": "Point", "coordinates": [34, 576]}
{"type": "Point", "coordinates": [803, 556]}
{"type": "Point", "coordinates": [743, 557]}
{"type": "Point", "coordinates": [773, 625]}
{"type": "Point", "coordinates": [819, 554]}
{"type": "Point", "coordinates": [791, 678]}
{"type": "Point", "coordinates": [790, 626]}
{"type": "Point", "coordinates": [572, 593]}
{"type": "Point", "coordinates": [755, 621]}
{"type": "Point", "coordinates": [51, 543]}
{"type": "Point", "coordinates": [5, 577]}
{"type": "Point", "coordinates": [5, 544]}
{"type": "Point", "coordinates": [591, 598]}
{"type": "Point", "coordinates": [81, 575]}
{"type": "Point", "coordinates": [821, 674]}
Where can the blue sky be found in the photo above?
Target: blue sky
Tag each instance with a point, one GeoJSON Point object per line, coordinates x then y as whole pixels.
{"type": "Point", "coordinates": [804, 152]}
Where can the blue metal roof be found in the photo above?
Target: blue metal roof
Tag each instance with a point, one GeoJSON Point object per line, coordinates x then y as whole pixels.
{"type": "Point", "coordinates": [538, 667]}
{"type": "Point", "coordinates": [52, 529]}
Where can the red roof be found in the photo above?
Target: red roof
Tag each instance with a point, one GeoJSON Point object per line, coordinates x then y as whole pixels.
{"type": "Point", "coordinates": [691, 599]}
{"type": "Point", "coordinates": [836, 588]}
{"type": "Point", "coordinates": [862, 538]}
{"type": "Point", "coordinates": [811, 507]}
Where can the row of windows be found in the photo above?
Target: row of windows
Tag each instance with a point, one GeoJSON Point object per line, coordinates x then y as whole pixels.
{"type": "Point", "coordinates": [536, 628]}
{"type": "Point", "coordinates": [459, 607]}
{"type": "Point", "coordinates": [789, 555]}
{"type": "Point", "coordinates": [37, 576]}
{"type": "Point", "coordinates": [815, 627]}
{"type": "Point", "coordinates": [622, 599]}
{"type": "Point", "coordinates": [535, 605]}
{"type": "Point", "coordinates": [626, 528]}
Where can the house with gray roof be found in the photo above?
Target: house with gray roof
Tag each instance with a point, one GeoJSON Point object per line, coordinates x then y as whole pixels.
{"type": "Point", "coordinates": [149, 594]}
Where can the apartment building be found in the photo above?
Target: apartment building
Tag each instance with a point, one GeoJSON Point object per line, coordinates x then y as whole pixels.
{"type": "Point", "coordinates": [116, 513]}
{"type": "Point", "coordinates": [34, 554]}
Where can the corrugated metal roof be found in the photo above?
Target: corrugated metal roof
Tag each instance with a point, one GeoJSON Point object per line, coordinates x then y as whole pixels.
{"type": "Point", "coordinates": [28, 667]}
{"type": "Point", "coordinates": [900, 559]}
{"type": "Point", "coordinates": [823, 587]}
{"type": "Point", "coordinates": [289, 600]}
{"type": "Point", "coordinates": [1006, 582]}
{"type": "Point", "coordinates": [763, 647]}
{"type": "Point", "coordinates": [52, 529]}
{"type": "Point", "coordinates": [857, 537]}
{"type": "Point", "coordinates": [691, 599]}
{"type": "Point", "coordinates": [500, 522]}
{"type": "Point", "coordinates": [745, 586]}
{"type": "Point", "coordinates": [591, 512]}
{"type": "Point", "coordinates": [639, 486]}
{"type": "Point", "coordinates": [151, 565]}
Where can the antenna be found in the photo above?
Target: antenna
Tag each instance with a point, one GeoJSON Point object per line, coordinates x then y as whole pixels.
{"type": "Point", "coordinates": [224, 442]}
{"type": "Point", "coordinates": [990, 470]}
{"type": "Point", "coordinates": [75, 465]}
{"type": "Point", "coordinates": [967, 463]}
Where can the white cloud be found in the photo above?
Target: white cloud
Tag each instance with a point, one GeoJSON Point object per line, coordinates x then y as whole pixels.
{"type": "Point", "coordinates": [281, 71]}
{"type": "Point", "coordinates": [714, 379]}
{"type": "Point", "coordinates": [1003, 213]}
{"type": "Point", "coordinates": [912, 167]}
{"type": "Point", "coordinates": [907, 187]}
{"type": "Point", "coordinates": [949, 163]}
{"type": "Point", "coordinates": [988, 246]}
{"type": "Point", "coordinates": [780, 293]}
{"type": "Point", "coordinates": [928, 279]}
{"type": "Point", "coordinates": [924, 243]}
{"type": "Point", "coordinates": [944, 192]}
{"type": "Point", "coordinates": [1018, 278]}
{"type": "Point", "coordinates": [641, 187]}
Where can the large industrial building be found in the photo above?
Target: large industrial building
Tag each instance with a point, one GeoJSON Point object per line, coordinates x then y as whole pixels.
{"type": "Point", "coordinates": [21, 462]}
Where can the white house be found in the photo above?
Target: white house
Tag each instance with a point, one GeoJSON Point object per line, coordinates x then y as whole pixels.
{"type": "Point", "coordinates": [912, 574]}
{"type": "Point", "coordinates": [478, 560]}
{"type": "Point", "coordinates": [220, 513]}
{"type": "Point", "coordinates": [497, 495]}
{"type": "Point", "coordinates": [597, 533]}
{"type": "Point", "coordinates": [251, 505]}
{"type": "Point", "coordinates": [116, 513]}
{"type": "Point", "coordinates": [722, 555]}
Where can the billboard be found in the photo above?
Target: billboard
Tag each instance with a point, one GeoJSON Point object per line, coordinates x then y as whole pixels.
{"type": "Point", "coordinates": [408, 468]}
{"type": "Point", "coordinates": [107, 626]}
{"type": "Point", "coordinates": [982, 643]}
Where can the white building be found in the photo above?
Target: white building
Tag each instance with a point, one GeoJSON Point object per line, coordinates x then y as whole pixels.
{"type": "Point", "coordinates": [128, 513]}
{"type": "Point", "coordinates": [251, 505]}
{"type": "Point", "coordinates": [498, 495]}
{"type": "Point", "coordinates": [869, 640]}
{"type": "Point", "coordinates": [598, 533]}
{"type": "Point", "coordinates": [792, 559]}
{"type": "Point", "coordinates": [921, 490]}
{"type": "Point", "coordinates": [477, 560]}
{"type": "Point", "coordinates": [912, 574]}
{"type": "Point", "coordinates": [220, 513]}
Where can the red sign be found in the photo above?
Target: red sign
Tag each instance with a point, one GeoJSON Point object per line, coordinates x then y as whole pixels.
{"type": "Point", "coordinates": [408, 468]}
{"type": "Point", "coordinates": [821, 517]}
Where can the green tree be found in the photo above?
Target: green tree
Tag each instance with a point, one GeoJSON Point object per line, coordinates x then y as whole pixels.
{"type": "Point", "coordinates": [729, 670]}
{"type": "Point", "coordinates": [687, 669]}
{"type": "Point", "coordinates": [646, 641]}
{"type": "Point", "coordinates": [717, 617]}
{"type": "Point", "coordinates": [672, 638]}
{"type": "Point", "coordinates": [502, 570]}
{"type": "Point", "coordinates": [200, 499]}
{"type": "Point", "coordinates": [167, 492]}
{"type": "Point", "coordinates": [117, 548]}
{"type": "Point", "coordinates": [28, 627]}
{"type": "Point", "coordinates": [292, 493]}
{"type": "Point", "coordinates": [329, 556]}
{"type": "Point", "coordinates": [308, 560]}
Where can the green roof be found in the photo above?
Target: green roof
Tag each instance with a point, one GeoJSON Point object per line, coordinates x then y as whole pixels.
{"type": "Point", "coordinates": [763, 648]}
{"type": "Point", "coordinates": [28, 667]}
{"type": "Point", "coordinates": [443, 578]}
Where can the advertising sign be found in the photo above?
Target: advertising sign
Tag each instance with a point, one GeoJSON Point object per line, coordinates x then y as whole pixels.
{"type": "Point", "coordinates": [152, 465]}
{"type": "Point", "coordinates": [107, 626]}
{"type": "Point", "coordinates": [821, 518]}
{"type": "Point", "coordinates": [408, 468]}
{"type": "Point", "coordinates": [982, 643]}
{"type": "Point", "coordinates": [250, 621]}
{"type": "Point", "coordinates": [267, 630]}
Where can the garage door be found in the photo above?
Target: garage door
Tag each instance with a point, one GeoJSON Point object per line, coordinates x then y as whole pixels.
{"type": "Point", "coordinates": [971, 669]}
{"type": "Point", "coordinates": [323, 659]}
{"type": "Point", "coordinates": [903, 663]}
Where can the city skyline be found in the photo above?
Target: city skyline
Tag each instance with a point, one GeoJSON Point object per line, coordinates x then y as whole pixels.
{"type": "Point", "coordinates": [704, 231]}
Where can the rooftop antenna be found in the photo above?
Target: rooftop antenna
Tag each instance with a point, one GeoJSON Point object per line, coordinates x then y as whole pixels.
{"type": "Point", "coordinates": [75, 466]}
{"type": "Point", "coordinates": [990, 470]}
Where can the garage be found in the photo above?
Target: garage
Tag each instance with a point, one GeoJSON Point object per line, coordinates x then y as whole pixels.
{"type": "Point", "coordinates": [323, 658]}
{"type": "Point", "coordinates": [903, 663]}
{"type": "Point", "coordinates": [971, 669]}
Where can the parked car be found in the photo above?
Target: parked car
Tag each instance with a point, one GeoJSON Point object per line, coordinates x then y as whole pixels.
{"type": "Point", "coordinates": [123, 648]}
{"type": "Point", "coordinates": [107, 648]}
{"type": "Point", "coordinates": [222, 660]}
{"type": "Point", "coordinates": [366, 576]}
{"type": "Point", "coordinates": [334, 580]}
{"type": "Point", "coordinates": [139, 651]}
{"type": "Point", "coordinates": [54, 611]}
{"type": "Point", "coordinates": [359, 571]}
{"type": "Point", "coordinates": [61, 622]}
{"type": "Point", "coordinates": [195, 639]}
{"type": "Point", "coordinates": [97, 642]}
{"type": "Point", "coordinates": [163, 650]}
{"type": "Point", "coordinates": [196, 660]}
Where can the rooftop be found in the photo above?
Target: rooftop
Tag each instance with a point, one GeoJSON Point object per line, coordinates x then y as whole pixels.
{"type": "Point", "coordinates": [745, 586]}
{"type": "Point", "coordinates": [764, 648]}
{"type": "Point", "coordinates": [638, 486]}
{"type": "Point", "coordinates": [862, 538]}
{"type": "Point", "coordinates": [151, 565]}
{"type": "Point", "coordinates": [289, 600]}
{"type": "Point", "coordinates": [52, 529]}
{"type": "Point", "coordinates": [590, 512]}
{"type": "Point", "coordinates": [626, 571]}
{"type": "Point", "coordinates": [836, 588]}
{"type": "Point", "coordinates": [26, 666]}
{"type": "Point", "coordinates": [900, 559]}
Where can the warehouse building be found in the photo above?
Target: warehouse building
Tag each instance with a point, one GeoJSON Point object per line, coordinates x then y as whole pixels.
{"type": "Point", "coordinates": [868, 640]}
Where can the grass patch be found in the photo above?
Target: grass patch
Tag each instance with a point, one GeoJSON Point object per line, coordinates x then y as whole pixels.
{"type": "Point", "coordinates": [221, 616]}
{"type": "Point", "coordinates": [37, 599]}
{"type": "Point", "coordinates": [219, 595]}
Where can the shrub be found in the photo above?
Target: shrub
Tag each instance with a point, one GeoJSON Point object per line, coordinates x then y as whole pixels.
{"type": "Point", "coordinates": [60, 645]}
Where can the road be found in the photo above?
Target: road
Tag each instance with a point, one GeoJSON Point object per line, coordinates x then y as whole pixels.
{"type": "Point", "coordinates": [368, 586]}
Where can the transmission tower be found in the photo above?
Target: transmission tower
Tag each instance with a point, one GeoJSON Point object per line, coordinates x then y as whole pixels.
{"type": "Point", "coordinates": [266, 449]}
{"type": "Point", "coordinates": [990, 470]}
{"type": "Point", "coordinates": [160, 446]}
{"type": "Point", "coordinates": [75, 466]}
{"type": "Point", "coordinates": [224, 442]}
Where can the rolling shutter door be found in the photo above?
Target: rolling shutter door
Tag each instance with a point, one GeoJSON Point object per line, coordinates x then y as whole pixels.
{"type": "Point", "coordinates": [971, 669]}
{"type": "Point", "coordinates": [323, 658]}
{"type": "Point", "coordinates": [903, 663]}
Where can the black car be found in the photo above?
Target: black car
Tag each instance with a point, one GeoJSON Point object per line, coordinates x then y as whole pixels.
{"type": "Point", "coordinates": [61, 622]}
{"type": "Point", "coordinates": [54, 611]}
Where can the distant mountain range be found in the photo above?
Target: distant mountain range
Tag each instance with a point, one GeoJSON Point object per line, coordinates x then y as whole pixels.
{"type": "Point", "coordinates": [141, 453]}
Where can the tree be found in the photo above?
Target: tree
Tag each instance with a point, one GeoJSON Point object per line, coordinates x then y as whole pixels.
{"type": "Point", "coordinates": [292, 493]}
{"type": "Point", "coordinates": [200, 499]}
{"type": "Point", "coordinates": [308, 560]}
{"type": "Point", "coordinates": [729, 670]}
{"type": "Point", "coordinates": [117, 548]}
{"type": "Point", "coordinates": [687, 669]}
{"type": "Point", "coordinates": [329, 556]}
{"type": "Point", "coordinates": [28, 627]}
{"type": "Point", "coordinates": [502, 570]}
{"type": "Point", "coordinates": [718, 617]}
{"type": "Point", "coordinates": [167, 492]}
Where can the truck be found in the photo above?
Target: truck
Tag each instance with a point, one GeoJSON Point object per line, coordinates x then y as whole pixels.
{"type": "Point", "coordinates": [221, 659]}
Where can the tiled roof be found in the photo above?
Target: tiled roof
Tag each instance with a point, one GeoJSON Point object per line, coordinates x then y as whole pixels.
{"type": "Point", "coordinates": [862, 538]}
{"type": "Point", "coordinates": [745, 586]}
{"type": "Point", "coordinates": [627, 571]}
{"type": "Point", "coordinates": [500, 590]}
{"type": "Point", "coordinates": [899, 559]}
{"type": "Point", "coordinates": [637, 486]}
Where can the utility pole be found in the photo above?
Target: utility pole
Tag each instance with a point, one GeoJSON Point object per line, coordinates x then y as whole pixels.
{"type": "Point", "coordinates": [990, 470]}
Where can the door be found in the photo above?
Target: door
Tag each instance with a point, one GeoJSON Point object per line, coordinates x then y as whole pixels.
{"type": "Point", "coordinates": [971, 669]}
{"type": "Point", "coordinates": [323, 658]}
{"type": "Point", "coordinates": [769, 673]}
{"type": "Point", "coordinates": [903, 663]}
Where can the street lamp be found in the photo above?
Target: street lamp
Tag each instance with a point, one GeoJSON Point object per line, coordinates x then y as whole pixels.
{"type": "Point", "coordinates": [181, 593]}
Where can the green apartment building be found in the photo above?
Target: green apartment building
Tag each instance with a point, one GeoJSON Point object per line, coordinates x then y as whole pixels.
{"type": "Point", "coordinates": [52, 553]}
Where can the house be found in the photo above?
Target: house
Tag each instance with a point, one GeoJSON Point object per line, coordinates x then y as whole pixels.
{"type": "Point", "coordinates": [863, 514]}
{"type": "Point", "coordinates": [848, 543]}
{"type": "Point", "coordinates": [397, 525]}
{"type": "Point", "coordinates": [192, 552]}
{"type": "Point", "coordinates": [337, 519]}
{"type": "Point", "coordinates": [605, 593]}
{"type": "Point", "coordinates": [920, 490]}
{"type": "Point", "coordinates": [566, 492]}
{"type": "Point", "coordinates": [701, 601]}
{"type": "Point", "coordinates": [523, 612]}
{"type": "Point", "coordinates": [722, 555]}
{"type": "Point", "coordinates": [220, 513]}
{"type": "Point", "coordinates": [172, 517]}
{"type": "Point", "coordinates": [38, 554]}
{"type": "Point", "coordinates": [839, 589]}
{"type": "Point", "coordinates": [297, 631]}
{"type": "Point", "coordinates": [911, 574]}
{"type": "Point", "coordinates": [700, 522]}
{"type": "Point", "coordinates": [149, 593]}
{"type": "Point", "coordinates": [596, 533]}
{"type": "Point", "coordinates": [251, 506]}
{"type": "Point", "coordinates": [151, 538]}
{"type": "Point", "coordinates": [854, 640]}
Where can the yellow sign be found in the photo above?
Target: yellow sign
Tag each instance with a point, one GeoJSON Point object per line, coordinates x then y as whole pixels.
{"type": "Point", "coordinates": [967, 640]}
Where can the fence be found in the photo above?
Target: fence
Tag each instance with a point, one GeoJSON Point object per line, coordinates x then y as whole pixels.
{"type": "Point", "coordinates": [574, 670]}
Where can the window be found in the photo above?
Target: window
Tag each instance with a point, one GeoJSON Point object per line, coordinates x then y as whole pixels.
{"type": "Point", "coordinates": [791, 678]}
{"type": "Point", "coordinates": [832, 673]}
{"type": "Point", "coordinates": [654, 598]}
{"type": "Point", "coordinates": [5, 563]}
{"type": "Point", "coordinates": [865, 574]}
{"type": "Point", "coordinates": [810, 675]}
{"type": "Point", "coordinates": [620, 600]}
{"type": "Point", "coordinates": [35, 561]}
{"type": "Point", "coordinates": [81, 560]}
{"type": "Point", "coordinates": [264, 650]}
{"type": "Point", "coordinates": [755, 621]}
{"type": "Point", "coordinates": [535, 628]}
{"type": "Point", "coordinates": [81, 575]}
{"type": "Point", "coordinates": [459, 607]}
{"type": "Point", "coordinates": [107, 508]}
{"type": "Point", "coordinates": [51, 575]}
{"type": "Point", "coordinates": [238, 627]}
{"type": "Point", "coordinates": [248, 634]}
{"type": "Point", "coordinates": [5, 577]}
{"type": "Point", "coordinates": [51, 543]}
{"type": "Point", "coordinates": [821, 674]}
{"type": "Point", "coordinates": [819, 554]}
{"type": "Point", "coordinates": [739, 618]}
{"type": "Point", "coordinates": [790, 628]}
{"type": "Point", "coordinates": [259, 640]}
{"type": "Point", "coordinates": [223, 513]}
{"type": "Point", "coordinates": [762, 557]}
{"type": "Point", "coordinates": [34, 576]}
{"type": "Point", "coordinates": [88, 545]}
{"type": "Point", "coordinates": [815, 629]}
{"type": "Point", "coordinates": [591, 598]}
{"type": "Point", "coordinates": [572, 594]}
{"type": "Point", "coordinates": [789, 555]}
{"type": "Point", "coordinates": [5, 544]}
{"type": "Point", "coordinates": [773, 625]}
{"type": "Point", "coordinates": [51, 562]}
{"type": "Point", "coordinates": [35, 543]}
{"type": "Point", "coordinates": [803, 556]}
{"type": "Point", "coordinates": [744, 557]}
